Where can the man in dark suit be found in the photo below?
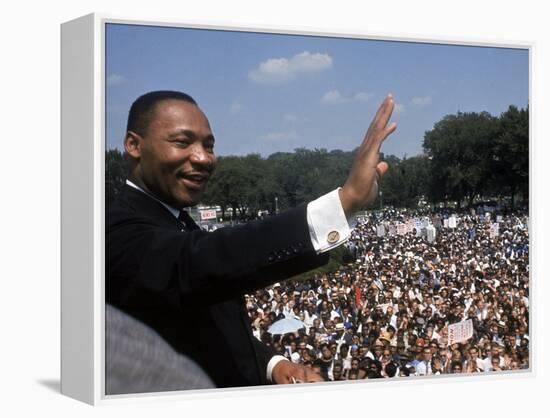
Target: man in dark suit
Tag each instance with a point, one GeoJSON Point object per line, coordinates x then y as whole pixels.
{"type": "Point", "coordinates": [187, 284]}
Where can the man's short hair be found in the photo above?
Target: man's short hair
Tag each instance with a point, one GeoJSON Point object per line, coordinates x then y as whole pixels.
{"type": "Point", "coordinates": [141, 111]}
{"type": "Point", "coordinates": [391, 369]}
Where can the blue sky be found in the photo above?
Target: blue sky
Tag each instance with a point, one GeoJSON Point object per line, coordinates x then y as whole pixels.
{"type": "Point", "coordinates": [265, 93]}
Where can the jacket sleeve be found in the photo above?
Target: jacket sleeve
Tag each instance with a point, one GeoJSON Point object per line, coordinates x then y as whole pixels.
{"type": "Point", "coordinates": [145, 255]}
{"type": "Point", "coordinates": [263, 354]}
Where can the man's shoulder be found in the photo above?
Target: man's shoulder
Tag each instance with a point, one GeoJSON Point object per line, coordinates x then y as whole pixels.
{"type": "Point", "coordinates": [132, 205]}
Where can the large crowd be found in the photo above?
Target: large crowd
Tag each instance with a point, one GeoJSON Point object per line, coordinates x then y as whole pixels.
{"type": "Point", "coordinates": [387, 313]}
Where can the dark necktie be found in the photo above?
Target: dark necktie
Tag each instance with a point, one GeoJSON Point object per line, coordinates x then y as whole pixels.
{"type": "Point", "coordinates": [187, 221]}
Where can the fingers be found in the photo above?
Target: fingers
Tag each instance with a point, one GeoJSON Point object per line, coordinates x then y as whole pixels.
{"type": "Point", "coordinates": [305, 375]}
{"type": "Point", "coordinates": [315, 377]}
{"type": "Point", "coordinates": [379, 129]}
{"type": "Point", "coordinates": [383, 130]}
{"type": "Point", "coordinates": [382, 168]}
{"type": "Point", "coordinates": [389, 130]}
{"type": "Point", "coordinates": [383, 109]}
{"type": "Point", "coordinates": [384, 112]}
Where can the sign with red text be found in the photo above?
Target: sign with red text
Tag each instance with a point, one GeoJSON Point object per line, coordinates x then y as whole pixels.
{"type": "Point", "coordinates": [208, 214]}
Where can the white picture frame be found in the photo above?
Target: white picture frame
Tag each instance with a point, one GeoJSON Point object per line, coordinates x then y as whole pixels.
{"type": "Point", "coordinates": [83, 82]}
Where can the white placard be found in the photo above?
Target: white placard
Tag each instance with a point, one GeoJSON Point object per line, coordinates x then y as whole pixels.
{"type": "Point", "coordinates": [208, 214]}
{"type": "Point", "coordinates": [401, 229]}
{"type": "Point", "coordinates": [493, 232]}
{"type": "Point", "coordinates": [430, 233]}
{"type": "Point", "coordinates": [452, 222]}
{"type": "Point", "coordinates": [460, 332]}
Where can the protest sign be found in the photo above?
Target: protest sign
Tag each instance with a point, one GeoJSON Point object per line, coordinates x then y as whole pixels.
{"type": "Point", "coordinates": [452, 222]}
{"type": "Point", "coordinates": [460, 331]}
{"type": "Point", "coordinates": [493, 232]}
{"type": "Point", "coordinates": [430, 233]}
{"type": "Point", "coordinates": [208, 214]}
{"type": "Point", "coordinates": [401, 229]}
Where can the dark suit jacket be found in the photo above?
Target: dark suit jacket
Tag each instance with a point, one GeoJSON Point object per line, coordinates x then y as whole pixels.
{"type": "Point", "coordinates": [188, 285]}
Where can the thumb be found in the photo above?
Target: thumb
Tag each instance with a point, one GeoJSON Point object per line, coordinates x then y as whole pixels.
{"type": "Point", "coordinates": [381, 168]}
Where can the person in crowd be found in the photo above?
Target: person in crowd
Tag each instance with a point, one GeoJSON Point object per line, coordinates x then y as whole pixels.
{"type": "Point", "coordinates": [407, 291]}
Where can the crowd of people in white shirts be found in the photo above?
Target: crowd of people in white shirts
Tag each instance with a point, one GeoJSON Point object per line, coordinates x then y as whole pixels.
{"type": "Point", "coordinates": [387, 312]}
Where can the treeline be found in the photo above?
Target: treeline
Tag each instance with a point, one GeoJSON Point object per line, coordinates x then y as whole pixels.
{"type": "Point", "coordinates": [467, 156]}
{"type": "Point", "coordinates": [476, 155]}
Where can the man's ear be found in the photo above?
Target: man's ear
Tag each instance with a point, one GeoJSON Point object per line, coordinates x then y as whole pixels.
{"type": "Point", "coordinates": [132, 144]}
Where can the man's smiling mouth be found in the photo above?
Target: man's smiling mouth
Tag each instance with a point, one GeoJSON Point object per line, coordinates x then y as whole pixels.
{"type": "Point", "coordinates": [194, 180]}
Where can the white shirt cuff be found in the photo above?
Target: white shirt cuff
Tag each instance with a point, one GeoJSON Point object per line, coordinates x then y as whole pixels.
{"type": "Point", "coordinates": [272, 363]}
{"type": "Point", "coordinates": [328, 226]}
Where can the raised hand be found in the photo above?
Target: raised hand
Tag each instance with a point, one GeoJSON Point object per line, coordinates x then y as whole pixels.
{"type": "Point", "coordinates": [361, 186]}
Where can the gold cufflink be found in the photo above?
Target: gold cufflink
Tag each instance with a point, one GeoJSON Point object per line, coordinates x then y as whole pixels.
{"type": "Point", "coordinates": [333, 236]}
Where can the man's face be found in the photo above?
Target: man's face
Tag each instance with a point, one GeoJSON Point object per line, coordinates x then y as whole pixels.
{"type": "Point", "coordinates": [427, 354]}
{"type": "Point", "coordinates": [326, 353]}
{"type": "Point", "coordinates": [344, 350]}
{"type": "Point", "coordinates": [176, 153]}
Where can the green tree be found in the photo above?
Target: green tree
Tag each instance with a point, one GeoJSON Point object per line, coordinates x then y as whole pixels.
{"type": "Point", "coordinates": [116, 170]}
{"type": "Point", "coordinates": [510, 163]}
{"type": "Point", "coordinates": [227, 186]}
{"type": "Point", "coordinates": [415, 175]}
{"type": "Point", "coordinates": [392, 183]}
{"type": "Point", "coordinates": [405, 182]}
{"type": "Point", "coordinates": [460, 149]}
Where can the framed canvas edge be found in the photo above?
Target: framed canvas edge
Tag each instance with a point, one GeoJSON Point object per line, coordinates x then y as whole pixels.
{"type": "Point", "coordinates": [95, 369]}
{"type": "Point", "coordinates": [78, 130]}
{"type": "Point", "coordinates": [352, 33]}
